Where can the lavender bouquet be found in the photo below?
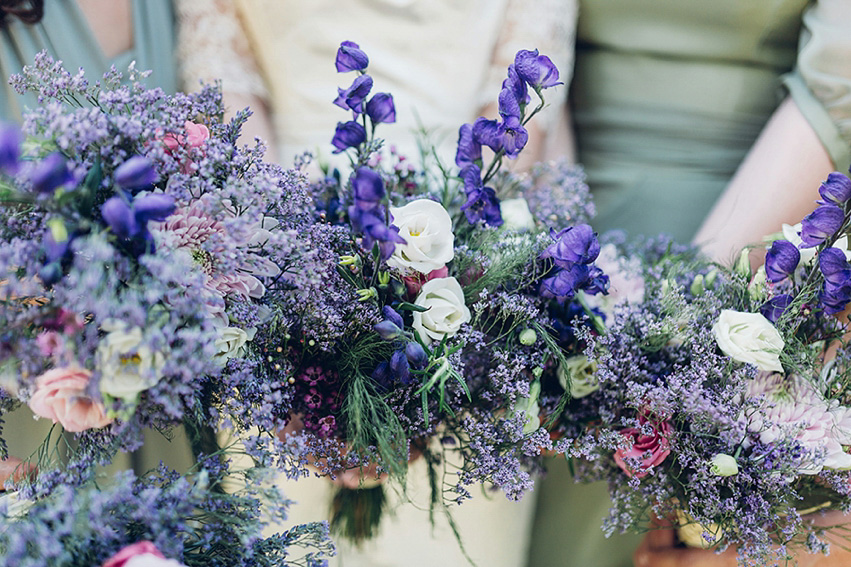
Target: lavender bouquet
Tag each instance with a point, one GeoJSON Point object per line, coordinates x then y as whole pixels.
{"type": "Point", "coordinates": [138, 239]}
{"type": "Point", "coordinates": [425, 311]}
{"type": "Point", "coordinates": [720, 399]}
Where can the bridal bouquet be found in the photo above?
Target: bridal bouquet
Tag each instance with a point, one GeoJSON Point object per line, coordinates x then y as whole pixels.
{"type": "Point", "coordinates": [138, 240]}
{"type": "Point", "coordinates": [722, 395]}
{"type": "Point", "coordinates": [425, 309]}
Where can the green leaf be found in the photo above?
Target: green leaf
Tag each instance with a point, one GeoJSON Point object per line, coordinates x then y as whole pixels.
{"type": "Point", "coordinates": [405, 306]}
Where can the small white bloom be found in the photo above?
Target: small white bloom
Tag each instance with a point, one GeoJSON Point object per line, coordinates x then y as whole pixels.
{"type": "Point", "coordinates": [516, 215]}
{"type": "Point", "coordinates": [724, 465]}
{"type": "Point", "coordinates": [231, 343]}
{"type": "Point", "coordinates": [13, 506]}
{"type": "Point", "coordinates": [529, 406]}
{"type": "Point", "coordinates": [429, 242]}
{"type": "Point", "coordinates": [793, 235]}
{"type": "Point", "coordinates": [127, 366]}
{"type": "Point", "coordinates": [582, 372]}
{"type": "Point", "coordinates": [749, 338]}
{"type": "Point", "coordinates": [444, 299]}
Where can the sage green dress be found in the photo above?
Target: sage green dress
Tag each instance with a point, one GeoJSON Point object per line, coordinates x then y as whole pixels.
{"type": "Point", "coordinates": [667, 98]}
{"type": "Point", "coordinates": [65, 34]}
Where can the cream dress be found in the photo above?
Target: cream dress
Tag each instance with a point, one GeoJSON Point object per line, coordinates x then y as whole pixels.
{"type": "Point", "coordinates": [442, 60]}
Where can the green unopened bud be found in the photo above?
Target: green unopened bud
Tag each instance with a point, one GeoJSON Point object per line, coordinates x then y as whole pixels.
{"type": "Point", "coordinates": [709, 280]}
{"type": "Point", "coordinates": [528, 337]}
{"type": "Point", "coordinates": [757, 289]}
{"type": "Point", "coordinates": [383, 278]}
{"type": "Point", "coordinates": [665, 287]}
{"type": "Point", "coordinates": [697, 287]}
{"type": "Point", "coordinates": [743, 264]}
{"type": "Point", "coordinates": [349, 260]}
{"type": "Point", "coordinates": [58, 230]}
{"type": "Point", "coordinates": [366, 294]}
{"type": "Point", "coordinates": [724, 465]}
{"type": "Point", "coordinates": [537, 371]}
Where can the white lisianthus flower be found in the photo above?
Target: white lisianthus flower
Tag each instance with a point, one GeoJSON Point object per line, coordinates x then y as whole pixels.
{"type": "Point", "coordinates": [582, 373]}
{"type": "Point", "coordinates": [231, 343]}
{"type": "Point", "coordinates": [13, 506]}
{"type": "Point", "coordinates": [724, 465]}
{"type": "Point", "coordinates": [127, 366]}
{"type": "Point", "coordinates": [444, 299]}
{"type": "Point", "coordinates": [749, 338]}
{"type": "Point", "coordinates": [529, 406]}
{"type": "Point", "coordinates": [516, 215]}
{"type": "Point", "coordinates": [429, 242]}
{"type": "Point", "coordinates": [792, 233]}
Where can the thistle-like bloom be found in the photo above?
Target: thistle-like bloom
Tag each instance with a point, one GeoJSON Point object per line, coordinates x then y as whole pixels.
{"type": "Point", "coordinates": [836, 189]}
{"type": "Point", "coordinates": [821, 224]}
{"type": "Point", "coordinates": [781, 259]}
{"type": "Point", "coordinates": [136, 174]}
{"type": "Point", "coordinates": [538, 71]}
{"type": "Point", "coordinates": [50, 174]}
{"type": "Point", "coordinates": [380, 108]}
{"type": "Point", "coordinates": [350, 57]}
{"type": "Point", "coordinates": [352, 98]}
{"type": "Point", "coordinates": [348, 135]}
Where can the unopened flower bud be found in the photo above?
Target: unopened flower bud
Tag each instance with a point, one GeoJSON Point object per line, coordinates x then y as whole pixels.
{"type": "Point", "coordinates": [349, 260]}
{"type": "Point", "coordinates": [743, 264]}
{"type": "Point", "coordinates": [697, 285]}
{"type": "Point", "coordinates": [387, 330]}
{"type": "Point", "coordinates": [724, 465]}
{"type": "Point", "coordinates": [528, 337]}
{"type": "Point", "coordinates": [416, 354]}
{"type": "Point", "coordinates": [366, 294]}
{"type": "Point", "coordinates": [709, 280]}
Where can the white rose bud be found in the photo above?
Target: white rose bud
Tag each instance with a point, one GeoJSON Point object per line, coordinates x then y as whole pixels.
{"type": "Point", "coordinates": [444, 299]}
{"type": "Point", "coordinates": [724, 465]}
{"type": "Point", "coordinates": [231, 343]}
{"type": "Point", "coordinates": [749, 338]}
{"type": "Point", "coordinates": [583, 380]}
{"type": "Point", "coordinates": [127, 366]}
{"type": "Point", "coordinates": [516, 215]}
{"type": "Point", "coordinates": [429, 242]}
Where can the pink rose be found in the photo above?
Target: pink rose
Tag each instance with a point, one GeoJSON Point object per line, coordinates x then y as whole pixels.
{"type": "Point", "coordinates": [61, 396]}
{"type": "Point", "coordinates": [647, 450]}
{"type": "Point", "coordinates": [415, 280]}
{"type": "Point", "coordinates": [196, 135]}
{"type": "Point", "coordinates": [141, 554]}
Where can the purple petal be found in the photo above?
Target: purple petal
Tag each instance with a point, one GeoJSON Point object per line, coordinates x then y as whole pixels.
{"type": "Point", "coordinates": [350, 58]}
{"type": "Point", "coordinates": [348, 135]}
{"type": "Point", "coordinates": [119, 217]}
{"type": "Point", "coordinates": [781, 259]}
{"type": "Point", "coordinates": [10, 148]}
{"type": "Point", "coordinates": [469, 150]}
{"type": "Point", "coordinates": [834, 267]}
{"type": "Point", "coordinates": [821, 224]}
{"type": "Point", "coordinates": [136, 173]}
{"type": "Point", "coordinates": [393, 316]}
{"type": "Point", "coordinates": [774, 307]}
{"type": "Point", "coordinates": [50, 174]}
{"type": "Point", "coordinates": [155, 207]}
{"type": "Point", "coordinates": [537, 70]}
{"type": "Point", "coordinates": [836, 189]}
{"type": "Point", "coordinates": [381, 109]}
{"type": "Point", "coordinates": [488, 133]}
{"type": "Point", "coordinates": [367, 188]}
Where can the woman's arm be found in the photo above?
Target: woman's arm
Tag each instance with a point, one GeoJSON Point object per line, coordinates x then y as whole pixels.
{"type": "Point", "coordinates": [776, 183]}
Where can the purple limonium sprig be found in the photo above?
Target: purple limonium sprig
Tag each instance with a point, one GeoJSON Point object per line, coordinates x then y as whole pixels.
{"type": "Point", "coordinates": [350, 57]}
{"type": "Point", "coordinates": [781, 259]}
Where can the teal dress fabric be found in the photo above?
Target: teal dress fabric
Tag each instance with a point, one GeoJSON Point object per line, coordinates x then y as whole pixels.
{"type": "Point", "coordinates": [667, 98]}
{"type": "Point", "coordinates": [65, 34]}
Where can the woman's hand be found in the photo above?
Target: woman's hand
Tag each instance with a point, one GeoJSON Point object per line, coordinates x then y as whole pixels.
{"type": "Point", "coordinates": [14, 469]}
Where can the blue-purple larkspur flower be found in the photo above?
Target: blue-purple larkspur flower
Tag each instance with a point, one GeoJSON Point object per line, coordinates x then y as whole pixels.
{"type": "Point", "coordinates": [348, 135]}
{"type": "Point", "coordinates": [781, 259]}
{"type": "Point", "coordinates": [381, 109]}
{"type": "Point", "coordinates": [367, 188]}
{"type": "Point", "coordinates": [508, 104]}
{"type": "Point", "coordinates": [564, 283]}
{"type": "Point", "coordinates": [821, 224]}
{"type": "Point", "coordinates": [129, 220]}
{"type": "Point", "coordinates": [575, 244]}
{"type": "Point", "coordinates": [776, 306]}
{"type": "Point", "coordinates": [514, 137]}
{"type": "Point", "coordinates": [488, 133]}
{"type": "Point", "coordinates": [517, 86]}
{"type": "Point", "coordinates": [51, 173]}
{"type": "Point", "coordinates": [538, 71]}
{"type": "Point", "coordinates": [482, 206]}
{"type": "Point", "coordinates": [469, 152]}
{"type": "Point", "coordinates": [350, 57]}
{"type": "Point", "coordinates": [10, 148]}
{"type": "Point", "coordinates": [836, 189]}
{"type": "Point", "coordinates": [400, 367]}
{"type": "Point", "coordinates": [834, 266]}
{"type": "Point", "coordinates": [416, 354]}
{"type": "Point", "coordinates": [352, 98]}
{"type": "Point", "coordinates": [136, 174]}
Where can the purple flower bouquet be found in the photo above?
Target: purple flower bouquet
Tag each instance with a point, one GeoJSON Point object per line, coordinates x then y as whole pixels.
{"type": "Point", "coordinates": [720, 399]}
{"type": "Point", "coordinates": [425, 312]}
